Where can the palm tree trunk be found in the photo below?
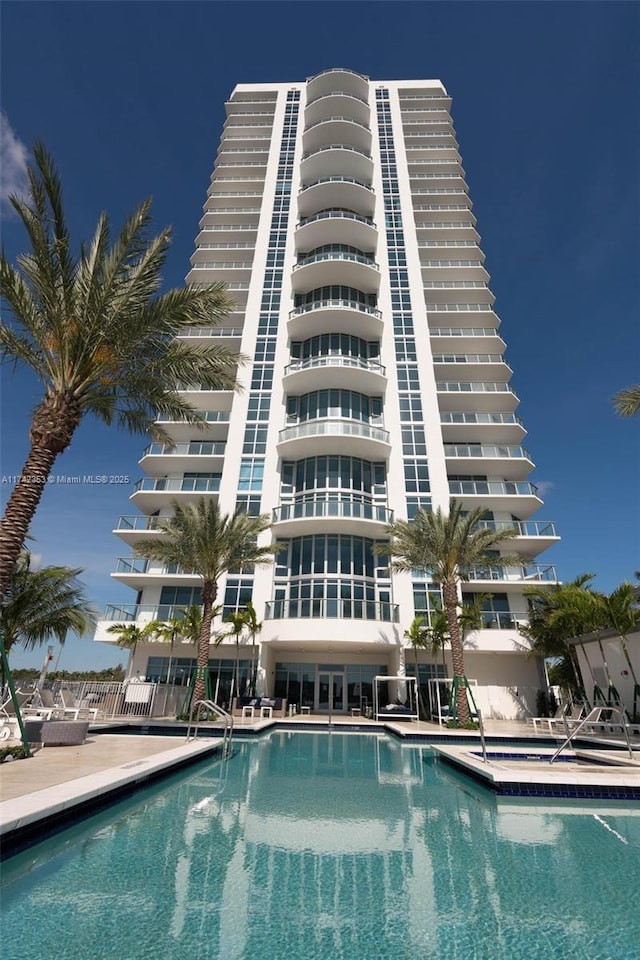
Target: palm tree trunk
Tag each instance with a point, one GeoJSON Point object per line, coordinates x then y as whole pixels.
{"type": "Point", "coordinates": [54, 422]}
{"type": "Point", "coordinates": [209, 594]}
{"type": "Point", "coordinates": [450, 601]}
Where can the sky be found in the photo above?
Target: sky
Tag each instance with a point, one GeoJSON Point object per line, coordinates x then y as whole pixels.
{"type": "Point", "coordinates": [128, 97]}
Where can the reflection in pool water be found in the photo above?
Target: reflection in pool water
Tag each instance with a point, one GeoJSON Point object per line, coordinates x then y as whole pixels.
{"type": "Point", "coordinates": [330, 847]}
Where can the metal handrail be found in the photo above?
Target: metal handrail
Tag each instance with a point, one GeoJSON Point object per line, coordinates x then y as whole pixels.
{"type": "Point", "coordinates": [214, 708]}
{"type": "Point", "coordinates": [595, 711]}
{"type": "Point", "coordinates": [482, 739]}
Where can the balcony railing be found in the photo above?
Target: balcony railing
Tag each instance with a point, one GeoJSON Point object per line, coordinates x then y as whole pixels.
{"type": "Point", "coordinates": [482, 450]}
{"type": "Point", "coordinates": [530, 572]}
{"type": "Point", "coordinates": [335, 255]}
{"type": "Point", "coordinates": [194, 448]}
{"type": "Point", "coordinates": [524, 528]}
{"type": "Point", "coordinates": [463, 331]}
{"type": "Point", "coordinates": [211, 416]}
{"type": "Point", "coordinates": [132, 565]}
{"type": "Point", "coordinates": [482, 418]}
{"type": "Point", "coordinates": [138, 522]}
{"type": "Point", "coordinates": [179, 484]}
{"type": "Point", "coordinates": [337, 214]}
{"type": "Point", "coordinates": [331, 610]}
{"type": "Point", "coordinates": [453, 386]}
{"type": "Point", "coordinates": [337, 146]}
{"type": "Point", "coordinates": [503, 620]}
{"type": "Point", "coordinates": [516, 488]}
{"type": "Point", "coordinates": [365, 126]}
{"type": "Point", "coordinates": [337, 179]}
{"type": "Point", "coordinates": [352, 509]}
{"type": "Point", "coordinates": [470, 358]}
{"type": "Point", "coordinates": [212, 332]}
{"type": "Point", "coordinates": [337, 304]}
{"type": "Point", "coordinates": [338, 93]}
{"type": "Point", "coordinates": [310, 363]}
{"type": "Point", "coordinates": [333, 428]}
{"type": "Point", "coordinates": [128, 612]}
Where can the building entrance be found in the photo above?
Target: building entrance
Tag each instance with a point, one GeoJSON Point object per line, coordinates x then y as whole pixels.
{"type": "Point", "coordinates": [331, 690]}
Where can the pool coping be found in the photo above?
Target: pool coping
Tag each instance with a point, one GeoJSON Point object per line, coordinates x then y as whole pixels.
{"type": "Point", "coordinates": [617, 783]}
{"type": "Point", "coordinates": [22, 818]}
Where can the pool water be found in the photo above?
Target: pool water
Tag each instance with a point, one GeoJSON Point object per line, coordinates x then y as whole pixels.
{"type": "Point", "coordinates": [307, 846]}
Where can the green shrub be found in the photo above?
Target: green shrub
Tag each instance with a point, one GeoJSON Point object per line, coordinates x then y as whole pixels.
{"type": "Point", "coordinates": [18, 753]}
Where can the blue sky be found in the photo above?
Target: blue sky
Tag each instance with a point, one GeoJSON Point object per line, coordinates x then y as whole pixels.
{"type": "Point", "coordinates": [129, 99]}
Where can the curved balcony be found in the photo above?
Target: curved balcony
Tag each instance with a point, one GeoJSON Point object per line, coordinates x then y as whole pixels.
{"type": "Point", "coordinates": [316, 373]}
{"type": "Point", "coordinates": [153, 493]}
{"type": "Point", "coordinates": [338, 78]}
{"type": "Point", "coordinates": [455, 395]}
{"type": "Point", "coordinates": [490, 427]}
{"type": "Point", "coordinates": [331, 610]}
{"type": "Point", "coordinates": [336, 158]}
{"type": "Point", "coordinates": [337, 103]}
{"type": "Point", "coordinates": [533, 536]}
{"type": "Point", "coordinates": [336, 225]}
{"type": "Point", "coordinates": [330, 515]}
{"type": "Point", "coordinates": [199, 455]}
{"type": "Point", "coordinates": [214, 426]}
{"type": "Point", "coordinates": [336, 267]}
{"type": "Point", "coordinates": [514, 497]}
{"type": "Point", "coordinates": [330, 192]}
{"type": "Point", "coordinates": [509, 462]}
{"type": "Point", "coordinates": [336, 129]}
{"type": "Point", "coordinates": [351, 437]}
{"type": "Point", "coordinates": [327, 316]}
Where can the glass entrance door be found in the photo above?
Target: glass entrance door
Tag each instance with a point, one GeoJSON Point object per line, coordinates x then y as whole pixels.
{"type": "Point", "coordinates": [331, 689]}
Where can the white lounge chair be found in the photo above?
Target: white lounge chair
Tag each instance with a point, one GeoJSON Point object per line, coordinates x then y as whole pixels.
{"type": "Point", "coordinates": [560, 709]}
{"type": "Point", "coordinates": [69, 706]}
{"type": "Point", "coordinates": [569, 720]}
{"type": "Point", "coordinates": [8, 711]}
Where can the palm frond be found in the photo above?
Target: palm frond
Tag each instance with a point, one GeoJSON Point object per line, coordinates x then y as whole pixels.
{"type": "Point", "coordinates": [627, 402]}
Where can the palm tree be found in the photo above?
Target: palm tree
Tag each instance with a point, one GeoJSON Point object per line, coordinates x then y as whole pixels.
{"type": "Point", "coordinates": [166, 631]}
{"type": "Point", "coordinates": [627, 402]}
{"type": "Point", "coordinates": [97, 334]}
{"type": "Point", "coordinates": [129, 635]}
{"type": "Point", "coordinates": [202, 540]}
{"type": "Point", "coordinates": [237, 621]}
{"type": "Point", "coordinates": [419, 637]}
{"type": "Point", "coordinates": [254, 627]}
{"type": "Point", "coordinates": [445, 547]}
{"type": "Point", "coordinates": [43, 605]}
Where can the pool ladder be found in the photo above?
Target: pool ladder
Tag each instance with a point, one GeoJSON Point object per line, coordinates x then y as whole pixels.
{"type": "Point", "coordinates": [219, 712]}
{"type": "Point", "coordinates": [594, 713]}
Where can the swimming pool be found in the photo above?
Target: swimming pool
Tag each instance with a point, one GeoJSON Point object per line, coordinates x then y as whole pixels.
{"type": "Point", "coordinates": [334, 846]}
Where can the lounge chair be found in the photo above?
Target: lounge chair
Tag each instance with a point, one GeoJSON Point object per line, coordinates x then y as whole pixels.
{"type": "Point", "coordinates": [43, 707]}
{"type": "Point", "coordinates": [570, 720]}
{"type": "Point", "coordinates": [8, 711]}
{"type": "Point", "coordinates": [69, 706]}
{"type": "Point", "coordinates": [560, 709]}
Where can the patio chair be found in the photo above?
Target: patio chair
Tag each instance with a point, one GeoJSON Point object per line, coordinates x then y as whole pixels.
{"type": "Point", "coordinates": [560, 709]}
{"type": "Point", "coordinates": [43, 706]}
{"type": "Point", "coordinates": [568, 720]}
{"type": "Point", "coordinates": [8, 711]}
{"type": "Point", "coordinates": [69, 706]}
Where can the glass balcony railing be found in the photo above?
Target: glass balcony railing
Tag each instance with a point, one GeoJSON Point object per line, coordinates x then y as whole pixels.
{"type": "Point", "coordinates": [210, 416]}
{"type": "Point", "coordinates": [338, 93]}
{"type": "Point", "coordinates": [311, 126]}
{"type": "Point", "coordinates": [502, 619]}
{"type": "Point", "coordinates": [336, 255]}
{"type": "Point", "coordinates": [336, 304]}
{"type": "Point", "coordinates": [179, 484]}
{"type": "Point", "coordinates": [463, 331]}
{"type": "Point", "coordinates": [454, 386]}
{"type": "Point", "coordinates": [310, 363]}
{"type": "Point", "coordinates": [336, 179]}
{"type": "Point", "coordinates": [496, 488]}
{"type": "Point", "coordinates": [337, 146]}
{"type": "Point", "coordinates": [212, 332]}
{"type": "Point", "coordinates": [524, 528]}
{"type": "Point", "coordinates": [336, 215]}
{"type": "Point", "coordinates": [352, 509]}
{"type": "Point", "coordinates": [331, 610]}
{"type": "Point", "coordinates": [137, 522]}
{"type": "Point", "coordinates": [481, 450]}
{"type": "Point", "coordinates": [530, 573]}
{"type": "Point", "coordinates": [333, 428]}
{"type": "Point", "coordinates": [129, 612]}
{"type": "Point", "coordinates": [460, 358]}
{"type": "Point", "coordinates": [193, 448]}
{"type": "Point", "coordinates": [132, 565]}
{"type": "Point", "coordinates": [480, 418]}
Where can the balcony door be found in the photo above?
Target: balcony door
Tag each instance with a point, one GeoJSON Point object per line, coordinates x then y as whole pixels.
{"type": "Point", "coordinates": [331, 692]}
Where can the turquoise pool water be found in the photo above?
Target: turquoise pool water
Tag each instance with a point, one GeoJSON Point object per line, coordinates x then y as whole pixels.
{"type": "Point", "coordinates": [311, 846]}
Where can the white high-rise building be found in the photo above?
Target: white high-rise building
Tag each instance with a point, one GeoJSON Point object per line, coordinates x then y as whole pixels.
{"type": "Point", "coordinates": [339, 217]}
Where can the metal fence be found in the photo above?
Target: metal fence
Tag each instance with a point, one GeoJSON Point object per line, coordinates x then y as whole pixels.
{"type": "Point", "coordinates": [114, 699]}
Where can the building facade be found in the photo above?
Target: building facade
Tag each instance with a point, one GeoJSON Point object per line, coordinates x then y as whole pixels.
{"type": "Point", "coordinates": [377, 384]}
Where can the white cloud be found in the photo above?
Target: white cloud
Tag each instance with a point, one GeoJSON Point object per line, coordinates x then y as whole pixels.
{"type": "Point", "coordinates": [13, 163]}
